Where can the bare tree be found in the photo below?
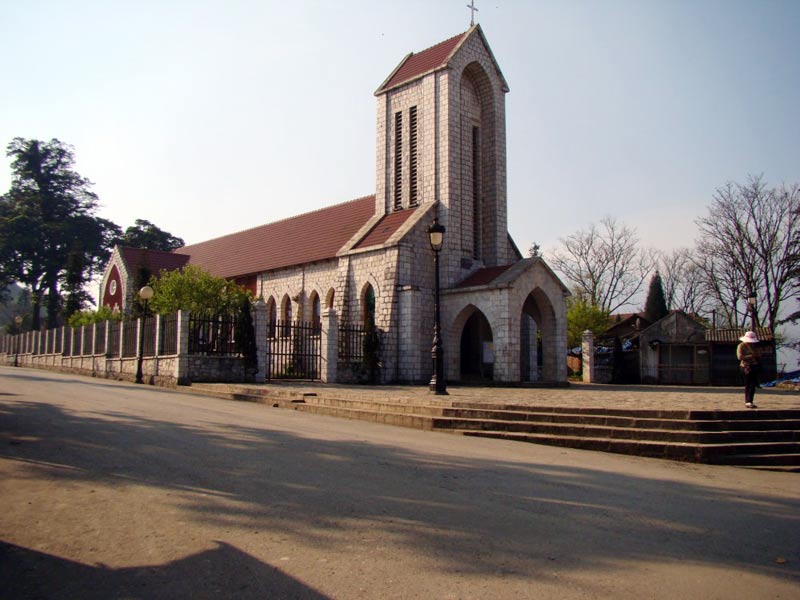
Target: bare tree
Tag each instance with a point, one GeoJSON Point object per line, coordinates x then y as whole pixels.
{"type": "Point", "coordinates": [604, 262]}
{"type": "Point", "coordinates": [750, 241]}
{"type": "Point", "coordinates": [684, 282]}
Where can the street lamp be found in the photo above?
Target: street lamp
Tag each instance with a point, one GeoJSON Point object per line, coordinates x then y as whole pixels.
{"type": "Point", "coordinates": [438, 385]}
{"type": "Point", "coordinates": [18, 322]}
{"type": "Point", "coordinates": [145, 294]}
{"type": "Point", "coordinates": [751, 303]}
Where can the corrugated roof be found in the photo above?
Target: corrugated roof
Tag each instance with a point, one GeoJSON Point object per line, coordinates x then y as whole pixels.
{"type": "Point", "coordinates": [385, 228]}
{"type": "Point", "coordinates": [483, 276]}
{"type": "Point", "coordinates": [420, 63]}
{"type": "Point", "coordinates": [153, 260]}
{"type": "Point", "coordinates": [306, 238]}
{"type": "Point", "coordinates": [764, 334]}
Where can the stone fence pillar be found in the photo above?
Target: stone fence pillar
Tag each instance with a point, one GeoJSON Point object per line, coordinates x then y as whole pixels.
{"type": "Point", "coordinates": [587, 355]}
{"type": "Point", "coordinates": [182, 363]}
{"type": "Point", "coordinates": [329, 346]}
{"type": "Point", "coordinates": [262, 342]}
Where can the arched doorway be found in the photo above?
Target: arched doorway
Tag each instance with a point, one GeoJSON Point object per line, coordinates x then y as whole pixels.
{"type": "Point", "coordinates": [477, 350]}
{"type": "Point", "coordinates": [537, 339]}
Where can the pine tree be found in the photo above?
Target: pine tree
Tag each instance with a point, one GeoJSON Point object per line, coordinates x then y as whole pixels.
{"type": "Point", "coordinates": [655, 307]}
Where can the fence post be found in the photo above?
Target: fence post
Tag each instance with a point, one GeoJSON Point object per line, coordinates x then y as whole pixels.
{"type": "Point", "coordinates": [182, 361]}
{"type": "Point", "coordinates": [106, 346]}
{"type": "Point", "coordinates": [156, 342]}
{"type": "Point", "coordinates": [262, 342]}
{"type": "Point", "coordinates": [587, 352]}
{"type": "Point", "coordinates": [329, 342]}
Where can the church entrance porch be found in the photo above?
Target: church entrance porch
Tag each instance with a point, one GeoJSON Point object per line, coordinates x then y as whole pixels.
{"type": "Point", "coordinates": [510, 329]}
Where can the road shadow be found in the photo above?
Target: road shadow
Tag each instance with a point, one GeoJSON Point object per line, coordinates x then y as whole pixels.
{"type": "Point", "coordinates": [222, 572]}
{"type": "Point", "coordinates": [478, 516]}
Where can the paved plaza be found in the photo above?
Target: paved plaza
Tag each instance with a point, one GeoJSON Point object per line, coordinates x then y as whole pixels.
{"type": "Point", "coordinates": [575, 395]}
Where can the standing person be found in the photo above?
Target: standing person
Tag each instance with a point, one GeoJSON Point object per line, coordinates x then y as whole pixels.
{"type": "Point", "coordinates": [750, 362]}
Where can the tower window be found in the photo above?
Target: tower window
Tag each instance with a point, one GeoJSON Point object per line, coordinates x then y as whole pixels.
{"type": "Point", "coordinates": [398, 161]}
{"type": "Point", "coordinates": [412, 167]}
{"type": "Point", "coordinates": [476, 192]}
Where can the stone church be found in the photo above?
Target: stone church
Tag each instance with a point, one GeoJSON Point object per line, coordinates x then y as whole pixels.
{"type": "Point", "coordinates": [441, 152]}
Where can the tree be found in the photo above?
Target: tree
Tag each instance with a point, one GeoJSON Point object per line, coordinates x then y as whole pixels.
{"type": "Point", "coordinates": [583, 315]}
{"type": "Point", "coordinates": [48, 214]}
{"type": "Point", "coordinates": [76, 298]}
{"type": "Point", "coordinates": [684, 283]}
{"type": "Point", "coordinates": [750, 241]}
{"type": "Point", "coordinates": [655, 306]}
{"type": "Point", "coordinates": [245, 337]}
{"type": "Point", "coordinates": [16, 303]}
{"type": "Point", "coordinates": [197, 291]}
{"type": "Point", "coordinates": [605, 263]}
{"type": "Point", "coordinates": [143, 234]}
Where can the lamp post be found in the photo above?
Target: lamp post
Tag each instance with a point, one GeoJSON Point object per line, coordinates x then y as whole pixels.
{"type": "Point", "coordinates": [751, 303]}
{"type": "Point", "coordinates": [18, 322]}
{"type": "Point", "coordinates": [438, 385]}
{"type": "Point", "coordinates": [145, 294]}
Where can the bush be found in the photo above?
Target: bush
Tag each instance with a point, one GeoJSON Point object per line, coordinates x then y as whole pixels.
{"type": "Point", "coordinates": [89, 317]}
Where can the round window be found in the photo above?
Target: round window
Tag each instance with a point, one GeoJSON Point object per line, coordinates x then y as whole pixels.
{"type": "Point", "coordinates": [112, 287]}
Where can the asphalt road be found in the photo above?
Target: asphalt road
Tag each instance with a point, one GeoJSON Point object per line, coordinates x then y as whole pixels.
{"type": "Point", "coordinates": [111, 490]}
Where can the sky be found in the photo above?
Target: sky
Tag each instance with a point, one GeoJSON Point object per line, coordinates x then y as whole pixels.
{"type": "Point", "coordinates": [207, 117]}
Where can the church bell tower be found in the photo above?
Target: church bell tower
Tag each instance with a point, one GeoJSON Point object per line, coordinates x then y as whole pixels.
{"type": "Point", "coordinates": [441, 137]}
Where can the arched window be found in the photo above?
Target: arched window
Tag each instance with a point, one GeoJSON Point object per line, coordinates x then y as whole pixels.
{"type": "Point", "coordinates": [286, 315]}
{"type": "Point", "coordinates": [272, 316]}
{"type": "Point", "coordinates": [368, 305]}
{"type": "Point", "coordinates": [329, 298]}
{"type": "Point", "coordinates": [316, 311]}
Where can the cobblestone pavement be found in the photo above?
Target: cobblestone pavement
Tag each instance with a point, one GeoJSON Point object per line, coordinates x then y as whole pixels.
{"type": "Point", "coordinates": [575, 395]}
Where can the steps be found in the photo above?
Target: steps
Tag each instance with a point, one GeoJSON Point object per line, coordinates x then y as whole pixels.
{"type": "Point", "coordinates": [763, 439]}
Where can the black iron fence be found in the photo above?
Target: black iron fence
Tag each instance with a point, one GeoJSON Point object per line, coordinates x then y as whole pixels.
{"type": "Point", "coordinates": [168, 335]}
{"type": "Point", "coordinates": [351, 344]}
{"type": "Point", "coordinates": [112, 343]}
{"type": "Point", "coordinates": [294, 350]}
{"type": "Point", "coordinates": [130, 333]}
{"type": "Point", "coordinates": [212, 336]}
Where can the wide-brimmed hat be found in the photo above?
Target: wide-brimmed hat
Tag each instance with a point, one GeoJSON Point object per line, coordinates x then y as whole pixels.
{"type": "Point", "coordinates": [749, 337]}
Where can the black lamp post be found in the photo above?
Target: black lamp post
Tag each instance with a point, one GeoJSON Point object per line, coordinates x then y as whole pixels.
{"type": "Point", "coordinates": [751, 303]}
{"type": "Point", "coordinates": [145, 294]}
{"type": "Point", "coordinates": [438, 385]}
{"type": "Point", "coordinates": [18, 322]}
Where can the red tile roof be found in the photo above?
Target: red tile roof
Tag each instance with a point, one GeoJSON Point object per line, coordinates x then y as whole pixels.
{"type": "Point", "coordinates": [384, 228]}
{"type": "Point", "coordinates": [306, 238]}
{"type": "Point", "coordinates": [483, 276]}
{"type": "Point", "coordinates": [153, 260]}
{"type": "Point", "coordinates": [420, 63]}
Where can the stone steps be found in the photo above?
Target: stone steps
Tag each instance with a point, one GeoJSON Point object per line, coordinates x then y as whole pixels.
{"type": "Point", "coordinates": [764, 439]}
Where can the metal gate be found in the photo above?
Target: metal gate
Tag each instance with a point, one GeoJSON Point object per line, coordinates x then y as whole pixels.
{"type": "Point", "coordinates": [294, 350]}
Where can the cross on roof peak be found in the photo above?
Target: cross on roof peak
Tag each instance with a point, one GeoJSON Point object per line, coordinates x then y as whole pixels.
{"type": "Point", "coordinates": [473, 10]}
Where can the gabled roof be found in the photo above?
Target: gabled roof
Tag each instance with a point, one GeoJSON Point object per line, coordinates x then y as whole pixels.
{"type": "Point", "coordinates": [153, 260]}
{"type": "Point", "coordinates": [306, 238]}
{"type": "Point", "coordinates": [506, 275]}
{"type": "Point", "coordinates": [383, 229]}
{"type": "Point", "coordinates": [415, 65]}
{"type": "Point", "coordinates": [483, 276]}
{"type": "Point", "coordinates": [435, 58]}
{"type": "Point", "coordinates": [732, 335]}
